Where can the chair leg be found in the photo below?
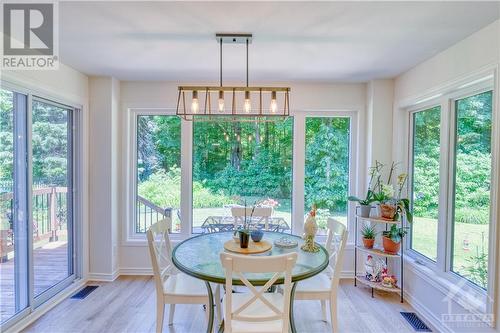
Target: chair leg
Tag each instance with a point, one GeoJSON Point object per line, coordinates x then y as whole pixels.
{"type": "Point", "coordinates": [333, 314]}
{"type": "Point", "coordinates": [323, 310]}
{"type": "Point", "coordinates": [160, 309]}
{"type": "Point", "coordinates": [171, 314]}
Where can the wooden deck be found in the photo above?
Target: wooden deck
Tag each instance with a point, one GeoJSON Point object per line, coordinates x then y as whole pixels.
{"type": "Point", "coordinates": [50, 266]}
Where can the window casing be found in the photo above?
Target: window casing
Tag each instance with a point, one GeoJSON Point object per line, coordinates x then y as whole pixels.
{"type": "Point", "coordinates": [296, 153]}
{"type": "Point", "coordinates": [443, 265]}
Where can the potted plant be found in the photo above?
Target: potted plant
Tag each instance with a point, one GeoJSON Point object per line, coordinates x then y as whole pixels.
{"type": "Point", "coordinates": [365, 204]}
{"type": "Point", "coordinates": [244, 232]}
{"type": "Point", "coordinates": [368, 232]}
{"type": "Point", "coordinates": [391, 239]}
{"type": "Point", "coordinates": [391, 207]}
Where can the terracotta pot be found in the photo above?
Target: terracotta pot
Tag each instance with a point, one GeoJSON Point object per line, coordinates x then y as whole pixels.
{"type": "Point", "coordinates": [387, 211]}
{"type": "Point", "coordinates": [368, 243]}
{"type": "Point", "coordinates": [390, 246]}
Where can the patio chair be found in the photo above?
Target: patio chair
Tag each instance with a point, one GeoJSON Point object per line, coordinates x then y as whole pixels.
{"type": "Point", "coordinates": [260, 215]}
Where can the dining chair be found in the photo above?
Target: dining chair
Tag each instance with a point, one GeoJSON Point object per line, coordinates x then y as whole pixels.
{"type": "Point", "coordinates": [324, 286]}
{"type": "Point", "coordinates": [257, 310]}
{"type": "Point", "coordinates": [172, 286]}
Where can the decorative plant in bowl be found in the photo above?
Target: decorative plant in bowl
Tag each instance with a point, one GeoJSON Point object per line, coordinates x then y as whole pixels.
{"type": "Point", "coordinates": [244, 231]}
{"type": "Point", "coordinates": [368, 232]}
{"type": "Point", "coordinates": [391, 239]}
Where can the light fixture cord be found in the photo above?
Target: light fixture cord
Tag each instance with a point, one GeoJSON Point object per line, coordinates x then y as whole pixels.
{"type": "Point", "coordinates": [221, 62]}
{"type": "Point", "coordinates": [247, 62]}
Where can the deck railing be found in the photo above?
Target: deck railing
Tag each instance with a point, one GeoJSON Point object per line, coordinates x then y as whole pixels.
{"type": "Point", "coordinates": [149, 213]}
{"type": "Point", "coordinates": [49, 209]}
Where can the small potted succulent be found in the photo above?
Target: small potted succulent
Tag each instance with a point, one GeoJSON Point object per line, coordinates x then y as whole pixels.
{"type": "Point", "coordinates": [368, 232]}
{"type": "Point", "coordinates": [391, 239]}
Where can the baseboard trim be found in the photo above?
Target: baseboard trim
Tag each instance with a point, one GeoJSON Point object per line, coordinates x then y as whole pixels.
{"type": "Point", "coordinates": [45, 307]}
{"type": "Point", "coordinates": [104, 277]}
{"type": "Point", "coordinates": [428, 316]}
{"type": "Point", "coordinates": [136, 271]}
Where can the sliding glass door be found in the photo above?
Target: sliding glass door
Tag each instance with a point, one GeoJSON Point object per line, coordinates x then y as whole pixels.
{"type": "Point", "coordinates": [13, 204]}
{"type": "Point", "coordinates": [51, 143]}
{"type": "Point", "coordinates": [36, 202]}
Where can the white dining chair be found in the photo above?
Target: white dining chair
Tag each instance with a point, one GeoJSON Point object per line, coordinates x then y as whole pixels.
{"type": "Point", "coordinates": [324, 286]}
{"type": "Point", "coordinates": [257, 310]}
{"type": "Point", "coordinates": [172, 286]}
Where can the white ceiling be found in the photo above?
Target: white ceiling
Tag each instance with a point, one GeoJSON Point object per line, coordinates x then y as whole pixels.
{"type": "Point", "coordinates": [297, 41]}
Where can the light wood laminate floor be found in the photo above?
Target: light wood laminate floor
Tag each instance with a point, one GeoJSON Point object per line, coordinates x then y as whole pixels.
{"type": "Point", "coordinates": [128, 305]}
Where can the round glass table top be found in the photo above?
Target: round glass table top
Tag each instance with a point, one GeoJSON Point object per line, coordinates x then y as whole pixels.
{"type": "Point", "coordinates": [199, 257]}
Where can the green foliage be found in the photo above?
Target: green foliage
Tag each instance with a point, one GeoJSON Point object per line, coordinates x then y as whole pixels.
{"type": "Point", "coordinates": [327, 163]}
{"type": "Point", "coordinates": [163, 189]}
{"type": "Point", "coordinates": [395, 233]}
{"type": "Point", "coordinates": [370, 197]}
{"type": "Point", "coordinates": [477, 269]}
{"type": "Point", "coordinates": [472, 216]}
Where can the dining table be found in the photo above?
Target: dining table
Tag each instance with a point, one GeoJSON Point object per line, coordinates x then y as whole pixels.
{"type": "Point", "coordinates": [199, 257]}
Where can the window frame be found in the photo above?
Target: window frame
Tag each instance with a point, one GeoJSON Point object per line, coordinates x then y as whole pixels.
{"type": "Point", "coordinates": [411, 140]}
{"type": "Point", "coordinates": [131, 238]}
{"type": "Point", "coordinates": [446, 97]}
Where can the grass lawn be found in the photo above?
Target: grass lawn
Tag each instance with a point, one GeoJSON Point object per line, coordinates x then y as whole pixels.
{"type": "Point", "coordinates": [468, 241]}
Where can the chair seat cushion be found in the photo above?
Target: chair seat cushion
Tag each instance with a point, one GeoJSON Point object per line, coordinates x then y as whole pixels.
{"type": "Point", "coordinates": [316, 284]}
{"type": "Point", "coordinates": [256, 309]}
{"type": "Point", "coordinates": [184, 285]}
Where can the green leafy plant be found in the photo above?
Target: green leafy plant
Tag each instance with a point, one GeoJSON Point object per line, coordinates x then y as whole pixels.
{"type": "Point", "coordinates": [365, 202]}
{"type": "Point", "coordinates": [368, 231]}
{"type": "Point", "coordinates": [395, 233]}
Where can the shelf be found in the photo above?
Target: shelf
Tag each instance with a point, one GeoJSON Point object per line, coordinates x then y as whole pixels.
{"type": "Point", "coordinates": [377, 220]}
{"type": "Point", "coordinates": [378, 252]}
{"type": "Point", "coordinates": [376, 285]}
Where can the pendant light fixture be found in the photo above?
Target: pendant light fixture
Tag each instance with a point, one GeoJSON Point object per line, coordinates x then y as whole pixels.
{"type": "Point", "coordinates": [246, 103]}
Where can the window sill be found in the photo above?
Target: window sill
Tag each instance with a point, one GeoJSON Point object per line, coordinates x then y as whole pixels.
{"type": "Point", "coordinates": [454, 288]}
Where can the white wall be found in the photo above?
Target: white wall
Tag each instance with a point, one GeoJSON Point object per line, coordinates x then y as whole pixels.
{"type": "Point", "coordinates": [104, 173]}
{"type": "Point", "coordinates": [474, 54]}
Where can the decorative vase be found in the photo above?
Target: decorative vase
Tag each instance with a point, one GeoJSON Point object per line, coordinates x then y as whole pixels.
{"type": "Point", "coordinates": [368, 242]}
{"type": "Point", "coordinates": [364, 210]}
{"type": "Point", "coordinates": [244, 238]}
{"type": "Point", "coordinates": [387, 211]}
{"type": "Point", "coordinates": [310, 230]}
{"type": "Point", "coordinates": [390, 246]}
{"type": "Point", "coordinates": [257, 235]}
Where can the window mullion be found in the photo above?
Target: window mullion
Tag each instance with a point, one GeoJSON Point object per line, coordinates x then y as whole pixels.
{"type": "Point", "coordinates": [299, 143]}
{"type": "Point", "coordinates": [186, 178]}
{"type": "Point", "coordinates": [445, 171]}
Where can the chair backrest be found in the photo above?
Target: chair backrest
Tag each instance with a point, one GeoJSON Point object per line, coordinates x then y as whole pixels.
{"type": "Point", "coordinates": [335, 245]}
{"type": "Point", "coordinates": [160, 251]}
{"type": "Point", "coordinates": [236, 265]}
{"type": "Point", "coordinates": [260, 214]}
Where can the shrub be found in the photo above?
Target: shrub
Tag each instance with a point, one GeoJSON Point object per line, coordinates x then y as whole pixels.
{"type": "Point", "coordinates": [471, 216]}
{"type": "Point", "coordinates": [163, 189]}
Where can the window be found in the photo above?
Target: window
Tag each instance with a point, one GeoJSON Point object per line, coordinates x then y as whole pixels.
{"type": "Point", "coordinates": [158, 171]}
{"type": "Point", "coordinates": [327, 167]}
{"type": "Point", "coordinates": [37, 202]}
{"type": "Point", "coordinates": [471, 187]}
{"type": "Point", "coordinates": [238, 162]}
{"type": "Point", "coordinates": [425, 181]}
